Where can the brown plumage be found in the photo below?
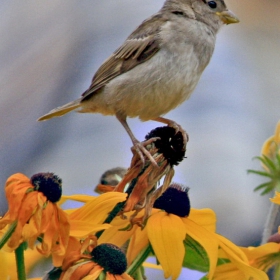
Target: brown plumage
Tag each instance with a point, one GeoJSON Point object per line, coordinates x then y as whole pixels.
{"type": "Point", "coordinates": [157, 67]}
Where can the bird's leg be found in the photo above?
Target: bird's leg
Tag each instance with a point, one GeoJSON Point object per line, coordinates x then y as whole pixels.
{"type": "Point", "coordinates": [175, 125]}
{"type": "Point", "coordinates": [138, 146]}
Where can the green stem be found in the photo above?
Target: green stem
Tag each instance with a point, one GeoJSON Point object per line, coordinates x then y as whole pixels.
{"type": "Point", "coordinates": [138, 275]}
{"type": "Point", "coordinates": [139, 260]}
{"type": "Point", "coordinates": [19, 252]}
{"type": "Point", "coordinates": [8, 234]}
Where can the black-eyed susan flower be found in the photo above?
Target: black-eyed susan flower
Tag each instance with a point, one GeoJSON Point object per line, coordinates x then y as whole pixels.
{"type": "Point", "coordinates": [166, 231]}
{"type": "Point", "coordinates": [169, 227]}
{"type": "Point", "coordinates": [105, 258]}
{"type": "Point", "coordinates": [34, 211]}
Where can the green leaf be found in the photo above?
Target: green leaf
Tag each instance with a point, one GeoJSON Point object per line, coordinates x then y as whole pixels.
{"type": "Point", "coordinates": [261, 173]}
{"type": "Point", "coordinates": [195, 257]}
{"type": "Point", "coordinates": [264, 185]}
{"type": "Point", "coordinates": [269, 163]}
{"type": "Point", "coordinates": [267, 190]}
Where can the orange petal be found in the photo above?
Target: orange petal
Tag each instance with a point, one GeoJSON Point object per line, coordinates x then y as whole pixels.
{"type": "Point", "coordinates": [16, 187]}
{"type": "Point", "coordinates": [78, 271]}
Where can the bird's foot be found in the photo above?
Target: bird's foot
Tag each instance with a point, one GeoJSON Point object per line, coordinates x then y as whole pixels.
{"type": "Point", "coordinates": [140, 149]}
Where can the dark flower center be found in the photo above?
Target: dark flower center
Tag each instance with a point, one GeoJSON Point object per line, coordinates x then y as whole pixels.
{"type": "Point", "coordinates": [175, 200]}
{"type": "Point", "coordinates": [49, 184]}
{"type": "Point", "coordinates": [170, 144]}
{"type": "Point", "coordinates": [110, 257]}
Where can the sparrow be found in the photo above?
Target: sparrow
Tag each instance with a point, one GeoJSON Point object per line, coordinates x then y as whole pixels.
{"type": "Point", "coordinates": [156, 68]}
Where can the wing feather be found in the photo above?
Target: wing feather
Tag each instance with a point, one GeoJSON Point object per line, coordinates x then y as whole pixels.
{"type": "Point", "coordinates": [140, 46]}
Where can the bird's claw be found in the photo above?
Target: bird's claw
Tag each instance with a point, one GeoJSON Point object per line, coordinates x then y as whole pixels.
{"type": "Point", "coordinates": [178, 128]}
{"type": "Point", "coordinates": [139, 148]}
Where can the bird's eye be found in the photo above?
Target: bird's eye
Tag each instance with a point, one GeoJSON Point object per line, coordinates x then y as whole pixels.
{"type": "Point", "coordinates": [212, 4]}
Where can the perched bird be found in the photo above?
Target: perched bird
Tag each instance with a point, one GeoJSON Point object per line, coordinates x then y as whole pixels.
{"type": "Point", "coordinates": [156, 68]}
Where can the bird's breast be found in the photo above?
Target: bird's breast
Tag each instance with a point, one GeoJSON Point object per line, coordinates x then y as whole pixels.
{"type": "Point", "coordinates": [158, 85]}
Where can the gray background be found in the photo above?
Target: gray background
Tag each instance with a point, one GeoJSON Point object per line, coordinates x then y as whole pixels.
{"type": "Point", "coordinates": [49, 52]}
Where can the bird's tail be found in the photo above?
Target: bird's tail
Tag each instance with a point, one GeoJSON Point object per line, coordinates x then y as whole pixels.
{"type": "Point", "coordinates": [62, 110]}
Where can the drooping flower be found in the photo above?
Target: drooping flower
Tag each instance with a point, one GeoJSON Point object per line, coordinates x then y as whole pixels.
{"type": "Point", "coordinates": [168, 229]}
{"type": "Point", "coordinates": [166, 232]}
{"type": "Point", "coordinates": [106, 258]}
{"type": "Point", "coordinates": [32, 206]}
{"type": "Point", "coordinates": [167, 151]}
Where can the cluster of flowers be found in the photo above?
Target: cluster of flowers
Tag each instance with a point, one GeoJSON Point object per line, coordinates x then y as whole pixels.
{"type": "Point", "coordinates": [112, 234]}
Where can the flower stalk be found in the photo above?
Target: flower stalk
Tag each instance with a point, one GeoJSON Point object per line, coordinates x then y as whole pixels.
{"type": "Point", "coordinates": [137, 263]}
{"type": "Point", "coordinates": [8, 234]}
{"type": "Point", "coordinates": [19, 253]}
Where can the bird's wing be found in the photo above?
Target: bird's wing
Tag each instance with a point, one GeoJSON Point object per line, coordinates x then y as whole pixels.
{"type": "Point", "coordinates": [140, 46]}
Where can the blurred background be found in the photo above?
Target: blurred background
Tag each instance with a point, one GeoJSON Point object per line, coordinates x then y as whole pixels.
{"type": "Point", "coordinates": [49, 52]}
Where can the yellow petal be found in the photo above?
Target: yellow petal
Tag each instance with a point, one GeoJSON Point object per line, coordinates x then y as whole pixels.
{"type": "Point", "coordinates": [237, 257]}
{"type": "Point", "coordinates": [206, 239]}
{"type": "Point", "coordinates": [116, 236]}
{"type": "Point", "coordinates": [138, 242]}
{"type": "Point", "coordinates": [82, 229]}
{"type": "Point", "coordinates": [76, 197]}
{"type": "Point", "coordinates": [228, 271]}
{"type": "Point", "coordinates": [204, 217]}
{"type": "Point", "coordinates": [276, 198]}
{"type": "Point", "coordinates": [277, 133]}
{"type": "Point", "coordinates": [166, 233]}
{"type": "Point", "coordinates": [102, 205]}
{"type": "Point", "coordinates": [261, 251]}
{"type": "Point", "coordinates": [152, 265]}
{"type": "Point", "coordinates": [270, 145]}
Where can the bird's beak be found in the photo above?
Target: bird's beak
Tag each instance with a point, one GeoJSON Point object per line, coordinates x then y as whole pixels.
{"type": "Point", "coordinates": [228, 17]}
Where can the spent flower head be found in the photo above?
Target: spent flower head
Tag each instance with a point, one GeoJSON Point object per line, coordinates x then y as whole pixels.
{"type": "Point", "coordinates": [142, 181]}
